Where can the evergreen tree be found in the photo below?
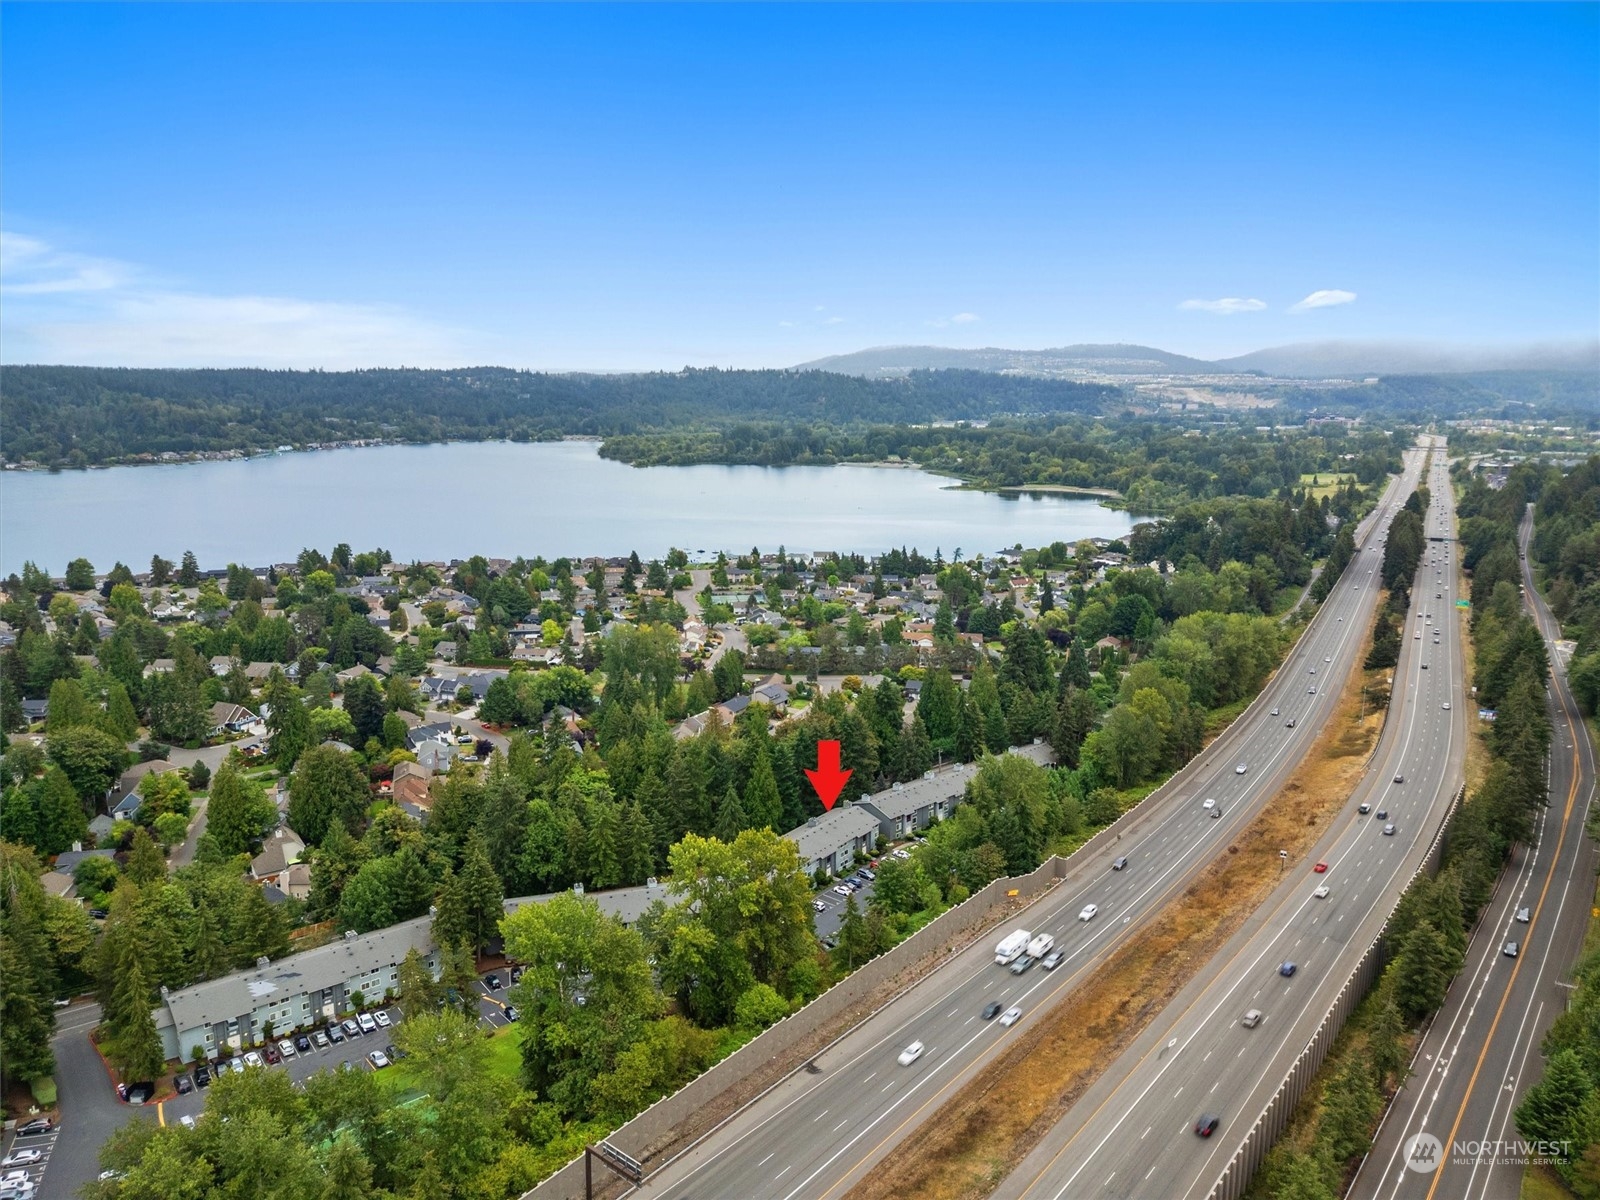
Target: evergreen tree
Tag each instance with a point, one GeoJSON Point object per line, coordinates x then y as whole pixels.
{"type": "Point", "coordinates": [969, 732]}
{"type": "Point", "coordinates": [145, 862]}
{"type": "Point", "coordinates": [287, 721]}
{"type": "Point", "coordinates": [853, 938]}
{"type": "Point", "coordinates": [1550, 1109]}
{"type": "Point", "coordinates": [189, 572]}
{"type": "Point", "coordinates": [602, 862]}
{"type": "Point", "coordinates": [208, 954]}
{"type": "Point", "coordinates": [479, 898]}
{"type": "Point", "coordinates": [134, 1043]}
{"type": "Point", "coordinates": [121, 719]}
{"type": "Point", "coordinates": [419, 993]}
{"type": "Point", "coordinates": [60, 816]}
{"type": "Point", "coordinates": [1421, 971]}
{"type": "Point", "coordinates": [638, 860]}
{"type": "Point", "coordinates": [347, 1174]}
{"type": "Point", "coordinates": [238, 812]}
{"type": "Point", "coordinates": [763, 805]}
{"type": "Point", "coordinates": [1385, 1040]}
{"type": "Point", "coordinates": [915, 753]}
{"type": "Point", "coordinates": [730, 816]}
{"type": "Point", "coordinates": [1349, 1107]}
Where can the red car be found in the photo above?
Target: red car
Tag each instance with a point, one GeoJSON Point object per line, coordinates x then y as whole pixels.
{"type": "Point", "coordinates": [1320, 868]}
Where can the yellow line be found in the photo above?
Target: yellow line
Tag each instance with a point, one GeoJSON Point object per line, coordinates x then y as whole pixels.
{"type": "Point", "coordinates": [1550, 874]}
{"type": "Point", "coordinates": [161, 1113]}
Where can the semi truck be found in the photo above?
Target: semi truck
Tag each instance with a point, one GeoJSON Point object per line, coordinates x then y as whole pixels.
{"type": "Point", "coordinates": [1013, 944]}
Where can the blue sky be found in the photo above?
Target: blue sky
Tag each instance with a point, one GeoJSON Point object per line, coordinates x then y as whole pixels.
{"type": "Point", "coordinates": [652, 186]}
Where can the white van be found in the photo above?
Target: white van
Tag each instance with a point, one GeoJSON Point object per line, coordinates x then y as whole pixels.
{"type": "Point", "coordinates": [1041, 945]}
{"type": "Point", "coordinates": [1013, 944]}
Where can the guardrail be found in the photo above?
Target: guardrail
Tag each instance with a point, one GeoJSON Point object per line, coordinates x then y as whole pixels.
{"type": "Point", "coordinates": [1275, 1116]}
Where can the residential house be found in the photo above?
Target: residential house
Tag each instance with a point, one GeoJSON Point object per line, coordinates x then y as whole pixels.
{"type": "Point", "coordinates": [278, 853]}
{"type": "Point", "coordinates": [230, 718]}
{"type": "Point", "coordinates": [436, 756]}
{"type": "Point", "coordinates": [411, 785]}
{"type": "Point", "coordinates": [350, 674]}
{"type": "Point", "coordinates": [57, 884]}
{"type": "Point", "coordinates": [829, 842]}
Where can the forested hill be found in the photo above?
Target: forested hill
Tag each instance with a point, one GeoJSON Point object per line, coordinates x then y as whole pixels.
{"type": "Point", "coordinates": [76, 416]}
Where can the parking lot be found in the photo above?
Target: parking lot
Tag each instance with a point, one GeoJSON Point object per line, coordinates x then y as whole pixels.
{"type": "Point", "coordinates": [27, 1152]}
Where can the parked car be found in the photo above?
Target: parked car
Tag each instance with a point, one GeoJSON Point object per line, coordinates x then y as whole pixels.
{"type": "Point", "coordinates": [492, 982]}
{"type": "Point", "coordinates": [820, 905]}
{"type": "Point", "coordinates": [335, 1034]}
{"type": "Point", "coordinates": [368, 1025]}
{"type": "Point", "coordinates": [378, 1059]}
{"type": "Point", "coordinates": [351, 1029]}
{"type": "Point", "coordinates": [186, 1121]}
{"type": "Point", "coordinates": [286, 1048]}
{"type": "Point", "coordinates": [511, 1012]}
{"type": "Point", "coordinates": [303, 1044]}
{"type": "Point", "coordinates": [252, 1059]}
{"type": "Point", "coordinates": [183, 1083]}
{"type": "Point", "coordinates": [202, 1076]}
{"type": "Point", "coordinates": [382, 1018]}
{"type": "Point", "coordinates": [35, 1127]}
{"type": "Point", "coordinates": [26, 1158]}
{"type": "Point", "coordinates": [271, 1053]}
{"type": "Point", "coordinates": [321, 1039]}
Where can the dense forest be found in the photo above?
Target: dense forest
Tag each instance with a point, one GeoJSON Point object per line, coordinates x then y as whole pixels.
{"type": "Point", "coordinates": [78, 416]}
{"type": "Point", "coordinates": [1503, 395]}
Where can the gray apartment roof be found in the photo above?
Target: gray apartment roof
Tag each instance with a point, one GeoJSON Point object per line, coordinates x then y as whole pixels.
{"type": "Point", "coordinates": [825, 834]}
{"type": "Point", "coordinates": [626, 904]}
{"type": "Point", "coordinates": [309, 971]}
{"type": "Point", "coordinates": [906, 798]}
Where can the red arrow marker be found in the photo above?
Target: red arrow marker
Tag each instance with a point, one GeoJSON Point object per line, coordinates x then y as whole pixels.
{"type": "Point", "coordinates": [829, 778]}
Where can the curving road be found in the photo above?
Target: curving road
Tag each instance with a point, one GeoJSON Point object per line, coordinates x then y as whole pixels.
{"type": "Point", "coordinates": [1132, 1134]}
{"type": "Point", "coordinates": [1481, 1052]}
{"type": "Point", "coordinates": [817, 1132]}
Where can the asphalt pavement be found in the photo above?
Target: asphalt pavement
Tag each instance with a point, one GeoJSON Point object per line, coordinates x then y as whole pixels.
{"type": "Point", "coordinates": [1480, 1053]}
{"type": "Point", "coordinates": [1132, 1134]}
{"type": "Point", "coordinates": [815, 1133]}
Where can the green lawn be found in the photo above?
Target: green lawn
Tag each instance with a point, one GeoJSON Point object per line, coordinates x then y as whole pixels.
{"type": "Point", "coordinates": [505, 1061]}
{"type": "Point", "coordinates": [1325, 483]}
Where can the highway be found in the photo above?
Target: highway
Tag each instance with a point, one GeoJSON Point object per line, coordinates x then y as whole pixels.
{"type": "Point", "coordinates": [820, 1129]}
{"type": "Point", "coordinates": [1132, 1133]}
{"type": "Point", "coordinates": [1481, 1052]}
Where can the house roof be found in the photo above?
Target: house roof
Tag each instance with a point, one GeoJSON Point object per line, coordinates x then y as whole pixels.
{"type": "Point", "coordinates": [55, 883]}
{"type": "Point", "coordinates": [67, 861]}
{"type": "Point", "coordinates": [224, 713]}
{"type": "Point", "coordinates": [825, 834]}
{"type": "Point", "coordinates": [280, 850]}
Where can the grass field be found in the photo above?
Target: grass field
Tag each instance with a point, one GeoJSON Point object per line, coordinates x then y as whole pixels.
{"type": "Point", "coordinates": [1325, 484]}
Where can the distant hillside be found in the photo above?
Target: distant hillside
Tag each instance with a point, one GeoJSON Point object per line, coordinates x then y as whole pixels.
{"type": "Point", "coordinates": [890, 361]}
{"type": "Point", "coordinates": [1307, 360]}
{"type": "Point", "coordinates": [1329, 360]}
{"type": "Point", "coordinates": [78, 416]}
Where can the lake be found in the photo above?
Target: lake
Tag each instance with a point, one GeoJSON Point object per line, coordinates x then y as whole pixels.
{"type": "Point", "coordinates": [503, 499]}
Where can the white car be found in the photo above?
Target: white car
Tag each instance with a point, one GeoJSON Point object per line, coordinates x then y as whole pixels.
{"type": "Point", "coordinates": [378, 1059]}
{"type": "Point", "coordinates": [382, 1018]}
{"type": "Point", "coordinates": [1209, 803]}
{"type": "Point", "coordinates": [819, 905]}
{"type": "Point", "coordinates": [1447, 706]}
{"type": "Point", "coordinates": [1240, 769]}
{"type": "Point", "coordinates": [1327, 658]}
{"type": "Point", "coordinates": [15, 1179]}
{"type": "Point", "coordinates": [1274, 712]}
{"type": "Point", "coordinates": [1321, 893]}
{"type": "Point", "coordinates": [910, 1054]}
{"type": "Point", "coordinates": [22, 1158]}
{"type": "Point", "coordinates": [186, 1121]}
{"type": "Point", "coordinates": [1088, 912]}
{"type": "Point", "coordinates": [842, 890]}
{"type": "Point", "coordinates": [368, 1025]}
{"type": "Point", "coordinates": [253, 1059]}
{"type": "Point", "coordinates": [1011, 1016]}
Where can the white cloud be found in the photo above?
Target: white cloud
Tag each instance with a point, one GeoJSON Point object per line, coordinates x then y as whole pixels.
{"type": "Point", "coordinates": [30, 267]}
{"type": "Point", "coordinates": [1225, 307]}
{"type": "Point", "coordinates": [68, 308]}
{"type": "Point", "coordinates": [964, 318]}
{"type": "Point", "coordinates": [834, 321]}
{"type": "Point", "coordinates": [785, 324]}
{"type": "Point", "coordinates": [1326, 298]}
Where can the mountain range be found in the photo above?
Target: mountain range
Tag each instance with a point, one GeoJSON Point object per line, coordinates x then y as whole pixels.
{"type": "Point", "coordinates": [1305, 360]}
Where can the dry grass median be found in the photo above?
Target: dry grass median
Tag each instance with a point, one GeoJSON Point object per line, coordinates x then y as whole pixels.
{"type": "Point", "coordinates": [965, 1149]}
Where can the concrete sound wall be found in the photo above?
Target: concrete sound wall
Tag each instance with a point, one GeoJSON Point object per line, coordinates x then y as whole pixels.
{"type": "Point", "coordinates": [1269, 1126]}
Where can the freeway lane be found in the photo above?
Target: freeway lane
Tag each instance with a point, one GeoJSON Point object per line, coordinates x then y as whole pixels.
{"type": "Point", "coordinates": [1481, 1053]}
{"type": "Point", "coordinates": [814, 1133]}
{"type": "Point", "coordinates": [1131, 1134]}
